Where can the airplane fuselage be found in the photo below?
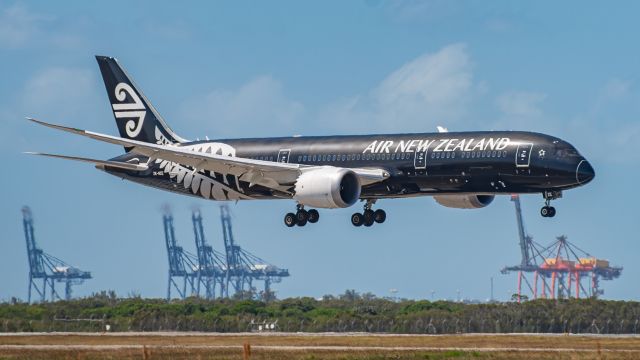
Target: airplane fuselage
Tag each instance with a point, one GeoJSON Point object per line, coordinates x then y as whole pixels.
{"type": "Point", "coordinates": [496, 162]}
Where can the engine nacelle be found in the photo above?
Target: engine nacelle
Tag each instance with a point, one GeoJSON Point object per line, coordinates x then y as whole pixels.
{"type": "Point", "coordinates": [464, 201]}
{"type": "Point", "coordinates": [328, 187]}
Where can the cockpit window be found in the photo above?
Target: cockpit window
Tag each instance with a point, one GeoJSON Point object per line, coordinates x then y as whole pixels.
{"type": "Point", "coordinates": [566, 152]}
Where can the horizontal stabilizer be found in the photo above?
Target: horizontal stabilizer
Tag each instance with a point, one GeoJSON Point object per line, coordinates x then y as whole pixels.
{"type": "Point", "coordinates": [116, 164]}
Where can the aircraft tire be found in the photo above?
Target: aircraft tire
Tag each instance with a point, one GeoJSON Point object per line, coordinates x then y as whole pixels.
{"type": "Point", "coordinates": [552, 211]}
{"type": "Point", "coordinates": [290, 220]}
{"type": "Point", "coordinates": [379, 216]}
{"type": "Point", "coordinates": [314, 216]}
{"type": "Point", "coordinates": [302, 216]}
{"type": "Point", "coordinates": [357, 219]}
{"type": "Point", "coordinates": [545, 211]}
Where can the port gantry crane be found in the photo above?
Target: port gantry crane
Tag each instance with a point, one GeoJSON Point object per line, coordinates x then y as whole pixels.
{"type": "Point", "coordinates": [210, 272]}
{"type": "Point", "coordinates": [48, 267]}
{"type": "Point", "coordinates": [242, 266]}
{"type": "Point", "coordinates": [212, 269]}
{"type": "Point", "coordinates": [183, 265]}
{"type": "Point", "coordinates": [557, 268]}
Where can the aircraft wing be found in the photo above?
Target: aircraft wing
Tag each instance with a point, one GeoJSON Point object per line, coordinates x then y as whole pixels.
{"type": "Point", "coordinates": [116, 164]}
{"type": "Point", "coordinates": [275, 175]}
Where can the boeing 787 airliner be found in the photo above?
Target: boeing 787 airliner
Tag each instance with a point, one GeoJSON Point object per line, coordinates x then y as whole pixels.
{"type": "Point", "coordinates": [458, 169]}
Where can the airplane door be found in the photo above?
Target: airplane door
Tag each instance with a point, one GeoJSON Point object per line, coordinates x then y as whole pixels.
{"type": "Point", "coordinates": [523, 155]}
{"type": "Point", "coordinates": [420, 159]}
{"type": "Point", "coordinates": [283, 155]}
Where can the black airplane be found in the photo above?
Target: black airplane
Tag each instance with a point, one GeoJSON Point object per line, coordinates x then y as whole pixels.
{"type": "Point", "coordinates": [459, 169]}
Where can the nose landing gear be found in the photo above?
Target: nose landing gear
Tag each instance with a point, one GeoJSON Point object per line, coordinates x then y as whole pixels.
{"type": "Point", "coordinates": [548, 210]}
{"type": "Point", "coordinates": [369, 216]}
{"type": "Point", "coordinates": [301, 217]}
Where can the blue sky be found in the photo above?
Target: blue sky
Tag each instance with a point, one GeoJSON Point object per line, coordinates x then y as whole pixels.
{"type": "Point", "coordinates": [238, 69]}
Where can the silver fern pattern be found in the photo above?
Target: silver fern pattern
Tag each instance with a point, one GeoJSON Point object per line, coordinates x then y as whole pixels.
{"type": "Point", "coordinates": [197, 181]}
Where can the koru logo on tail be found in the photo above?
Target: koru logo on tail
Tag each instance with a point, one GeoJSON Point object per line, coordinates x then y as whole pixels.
{"type": "Point", "coordinates": [134, 111]}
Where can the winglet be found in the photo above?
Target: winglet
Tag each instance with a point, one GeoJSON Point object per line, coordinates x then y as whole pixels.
{"type": "Point", "coordinates": [54, 126]}
{"type": "Point", "coordinates": [98, 163]}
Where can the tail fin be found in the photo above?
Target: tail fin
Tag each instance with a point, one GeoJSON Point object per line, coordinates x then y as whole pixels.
{"type": "Point", "coordinates": [135, 116]}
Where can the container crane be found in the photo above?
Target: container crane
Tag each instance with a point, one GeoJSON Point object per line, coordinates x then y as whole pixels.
{"type": "Point", "coordinates": [558, 269]}
{"type": "Point", "coordinates": [47, 267]}
{"type": "Point", "coordinates": [183, 265]}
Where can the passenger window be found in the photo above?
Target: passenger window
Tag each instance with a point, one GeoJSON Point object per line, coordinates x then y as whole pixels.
{"type": "Point", "coordinates": [333, 158]}
{"type": "Point", "coordinates": [409, 156]}
{"type": "Point", "coordinates": [453, 155]}
{"type": "Point", "coordinates": [304, 158]}
{"type": "Point", "coordinates": [344, 157]}
{"type": "Point", "coordinates": [358, 157]}
{"type": "Point", "coordinates": [403, 156]}
{"type": "Point", "coordinates": [504, 154]}
{"type": "Point", "coordinates": [393, 156]}
{"type": "Point", "coordinates": [493, 153]}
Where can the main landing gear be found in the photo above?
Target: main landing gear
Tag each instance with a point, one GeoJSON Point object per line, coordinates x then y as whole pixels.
{"type": "Point", "coordinates": [368, 217]}
{"type": "Point", "coordinates": [301, 217]}
{"type": "Point", "coordinates": [548, 210]}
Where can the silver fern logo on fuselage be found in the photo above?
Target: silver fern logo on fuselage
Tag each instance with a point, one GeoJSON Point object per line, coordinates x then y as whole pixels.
{"type": "Point", "coordinates": [198, 181]}
{"type": "Point", "coordinates": [133, 112]}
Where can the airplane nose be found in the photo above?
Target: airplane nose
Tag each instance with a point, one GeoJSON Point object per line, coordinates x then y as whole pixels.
{"type": "Point", "coordinates": [584, 172]}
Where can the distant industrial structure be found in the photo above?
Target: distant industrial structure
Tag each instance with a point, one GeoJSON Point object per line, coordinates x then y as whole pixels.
{"type": "Point", "coordinates": [211, 270]}
{"type": "Point", "coordinates": [182, 264]}
{"type": "Point", "coordinates": [560, 270]}
{"type": "Point", "coordinates": [210, 273]}
{"type": "Point", "coordinates": [48, 268]}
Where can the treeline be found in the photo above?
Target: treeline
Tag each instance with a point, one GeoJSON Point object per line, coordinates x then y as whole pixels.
{"type": "Point", "coordinates": [348, 312]}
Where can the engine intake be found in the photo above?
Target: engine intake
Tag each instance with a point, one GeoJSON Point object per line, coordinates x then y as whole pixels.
{"type": "Point", "coordinates": [327, 187]}
{"type": "Point", "coordinates": [464, 201]}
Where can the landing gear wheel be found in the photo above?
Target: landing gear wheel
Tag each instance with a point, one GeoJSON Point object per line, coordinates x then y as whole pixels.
{"type": "Point", "coordinates": [552, 211]}
{"type": "Point", "coordinates": [544, 211]}
{"type": "Point", "coordinates": [290, 220]}
{"type": "Point", "coordinates": [357, 219]}
{"type": "Point", "coordinates": [302, 216]}
{"type": "Point", "coordinates": [314, 216]}
{"type": "Point", "coordinates": [368, 217]}
{"type": "Point", "coordinates": [368, 214]}
{"type": "Point", "coordinates": [379, 216]}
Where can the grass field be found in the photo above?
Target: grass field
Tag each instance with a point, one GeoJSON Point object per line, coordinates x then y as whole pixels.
{"type": "Point", "coordinates": [314, 346]}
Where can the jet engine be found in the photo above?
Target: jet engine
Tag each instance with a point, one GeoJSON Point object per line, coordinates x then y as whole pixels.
{"type": "Point", "coordinates": [464, 201]}
{"type": "Point", "coordinates": [327, 187]}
